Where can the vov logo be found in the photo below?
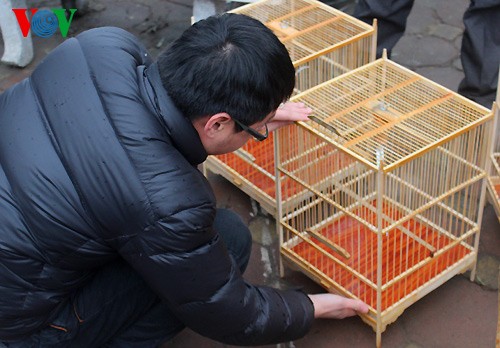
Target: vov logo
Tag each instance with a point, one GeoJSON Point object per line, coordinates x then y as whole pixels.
{"type": "Point", "coordinates": [44, 23]}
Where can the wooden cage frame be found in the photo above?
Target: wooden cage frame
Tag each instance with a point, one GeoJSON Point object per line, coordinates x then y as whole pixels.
{"type": "Point", "coordinates": [494, 180]}
{"type": "Point", "coordinates": [323, 42]}
{"type": "Point", "coordinates": [494, 174]}
{"type": "Point", "coordinates": [381, 195]}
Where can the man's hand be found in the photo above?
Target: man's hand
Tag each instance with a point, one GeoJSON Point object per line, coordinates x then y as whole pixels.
{"type": "Point", "coordinates": [288, 113]}
{"type": "Point", "coordinates": [330, 306]}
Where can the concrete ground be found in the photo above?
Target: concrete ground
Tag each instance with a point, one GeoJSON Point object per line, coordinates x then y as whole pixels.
{"type": "Point", "coordinates": [459, 314]}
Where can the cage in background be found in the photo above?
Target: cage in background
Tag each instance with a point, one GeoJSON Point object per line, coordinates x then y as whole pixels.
{"type": "Point", "coordinates": [494, 174]}
{"type": "Point", "coordinates": [323, 43]}
{"type": "Point", "coordinates": [381, 195]}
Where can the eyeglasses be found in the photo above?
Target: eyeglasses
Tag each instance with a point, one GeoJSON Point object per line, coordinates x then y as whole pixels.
{"type": "Point", "coordinates": [258, 135]}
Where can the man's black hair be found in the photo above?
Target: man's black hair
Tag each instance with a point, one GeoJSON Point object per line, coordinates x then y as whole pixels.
{"type": "Point", "coordinates": [229, 63]}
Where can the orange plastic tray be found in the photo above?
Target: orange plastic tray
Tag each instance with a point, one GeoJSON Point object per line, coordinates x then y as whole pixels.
{"type": "Point", "coordinates": [264, 158]}
{"type": "Point", "coordinates": [400, 253]}
{"type": "Point", "coordinates": [263, 152]}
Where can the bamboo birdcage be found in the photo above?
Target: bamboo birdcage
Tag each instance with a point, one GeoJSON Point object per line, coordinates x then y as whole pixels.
{"type": "Point", "coordinates": [494, 174]}
{"type": "Point", "coordinates": [323, 43]}
{"type": "Point", "coordinates": [382, 192]}
{"type": "Point", "coordinates": [494, 182]}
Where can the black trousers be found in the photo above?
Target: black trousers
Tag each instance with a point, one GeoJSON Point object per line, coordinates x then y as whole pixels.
{"type": "Point", "coordinates": [480, 50]}
{"type": "Point", "coordinates": [117, 308]}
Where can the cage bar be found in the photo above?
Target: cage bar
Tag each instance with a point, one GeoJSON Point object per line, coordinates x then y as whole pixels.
{"type": "Point", "coordinates": [494, 171]}
{"type": "Point", "coordinates": [323, 43]}
{"type": "Point", "coordinates": [382, 192]}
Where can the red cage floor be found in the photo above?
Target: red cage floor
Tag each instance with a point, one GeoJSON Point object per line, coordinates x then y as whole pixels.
{"type": "Point", "coordinates": [399, 254]}
{"type": "Point", "coordinates": [263, 157]}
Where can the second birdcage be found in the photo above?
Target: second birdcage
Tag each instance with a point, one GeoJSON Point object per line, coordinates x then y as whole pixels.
{"type": "Point", "coordinates": [381, 194]}
{"type": "Point", "coordinates": [323, 43]}
{"type": "Point", "coordinates": [494, 174]}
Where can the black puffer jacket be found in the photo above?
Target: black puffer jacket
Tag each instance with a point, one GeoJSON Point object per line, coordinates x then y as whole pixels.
{"type": "Point", "coordinates": [97, 163]}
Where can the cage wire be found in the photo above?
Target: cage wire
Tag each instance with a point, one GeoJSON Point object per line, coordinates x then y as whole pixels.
{"type": "Point", "coordinates": [382, 192]}
{"type": "Point", "coordinates": [323, 43]}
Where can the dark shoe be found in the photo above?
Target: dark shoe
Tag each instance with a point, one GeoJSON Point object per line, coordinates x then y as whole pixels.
{"type": "Point", "coordinates": [82, 6]}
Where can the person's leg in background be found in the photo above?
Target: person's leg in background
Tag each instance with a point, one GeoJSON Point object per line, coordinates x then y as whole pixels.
{"type": "Point", "coordinates": [480, 52]}
{"type": "Point", "coordinates": [118, 309]}
{"type": "Point", "coordinates": [391, 20]}
{"type": "Point", "coordinates": [82, 6]}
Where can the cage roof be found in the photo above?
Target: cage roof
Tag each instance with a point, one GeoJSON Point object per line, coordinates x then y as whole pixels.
{"type": "Point", "coordinates": [307, 27]}
{"type": "Point", "coordinates": [385, 111]}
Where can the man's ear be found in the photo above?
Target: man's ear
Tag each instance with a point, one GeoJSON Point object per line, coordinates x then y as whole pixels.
{"type": "Point", "coordinates": [217, 123]}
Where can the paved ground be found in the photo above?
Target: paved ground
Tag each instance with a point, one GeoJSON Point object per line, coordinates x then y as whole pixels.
{"type": "Point", "coordinates": [460, 313]}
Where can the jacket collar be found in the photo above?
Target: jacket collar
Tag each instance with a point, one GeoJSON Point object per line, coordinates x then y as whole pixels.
{"type": "Point", "coordinates": [184, 136]}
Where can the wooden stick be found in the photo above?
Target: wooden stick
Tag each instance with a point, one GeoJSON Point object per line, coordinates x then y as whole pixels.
{"type": "Point", "coordinates": [308, 240]}
{"type": "Point", "coordinates": [275, 22]}
{"type": "Point", "coordinates": [244, 155]}
{"type": "Point", "coordinates": [380, 198]}
{"type": "Point", "coordinates": [435, 200]}
{"type": "Point", "coordinates": [328, 199]}
{"type": "Point", "coordinates": [390, 124]}
{"type": "Point", "coordinates": [439, 142]}
{"type": "Point", "coordinates": [324, 124]}
{"type": "Point", "coordinates": [329, 243]}
{"type": "Point", "coordinates": [335, 47]}
{"type": "Point", "coordinates": [373, 97]}
{"type": "Point", "coordinates": [311, 28]}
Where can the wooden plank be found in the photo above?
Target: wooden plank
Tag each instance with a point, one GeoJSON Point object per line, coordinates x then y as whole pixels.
{"type": "Point", "coordinates": [329, 243]}
{"type": "Point", "coordinates": [394, 122]}
{"type": "Point", "coordinates": [311, 28]}
{"type": "Point", "coordinates": [275, 23]}
{"type": "Point", "coordinates": [335, 47]}
{"type": "Point", "coordinates": [373, 98]}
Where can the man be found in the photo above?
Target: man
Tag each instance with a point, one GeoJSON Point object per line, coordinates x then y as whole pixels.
{"type": "Point", "coordinates": [109, 234]}
{"type": "Point", "coordinates": [480, 50]}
